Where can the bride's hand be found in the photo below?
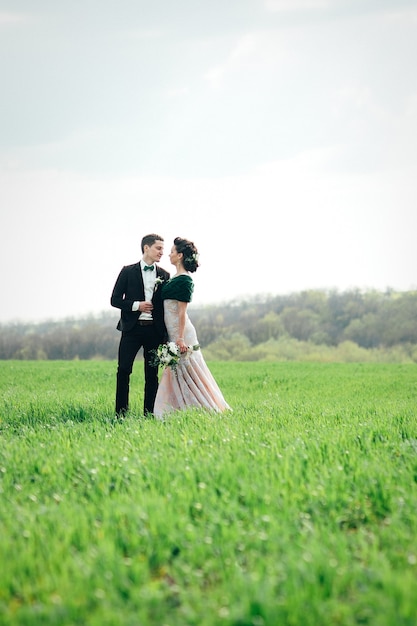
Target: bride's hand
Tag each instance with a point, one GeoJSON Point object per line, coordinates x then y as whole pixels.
{"type": "Point", "coordinates": [182, 346]}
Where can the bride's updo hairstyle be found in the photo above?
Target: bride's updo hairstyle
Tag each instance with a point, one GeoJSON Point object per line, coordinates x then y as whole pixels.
{"type": "Point", "coordinates": [189, 251]}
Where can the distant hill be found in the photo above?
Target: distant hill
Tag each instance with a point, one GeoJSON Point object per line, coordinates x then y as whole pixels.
{"type": "Point", "coordinates": [368, 325]}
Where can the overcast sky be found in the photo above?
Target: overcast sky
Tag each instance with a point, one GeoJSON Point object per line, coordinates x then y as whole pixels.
{"type": "Point", "coordinates": [279, 135]}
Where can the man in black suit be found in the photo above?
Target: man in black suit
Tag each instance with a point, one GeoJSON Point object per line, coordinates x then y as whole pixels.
{"type": "Point", "coordinates": [137, 292]}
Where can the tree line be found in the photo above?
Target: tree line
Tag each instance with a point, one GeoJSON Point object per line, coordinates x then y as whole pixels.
{"type": "Point", "coordinates": [313, 324]}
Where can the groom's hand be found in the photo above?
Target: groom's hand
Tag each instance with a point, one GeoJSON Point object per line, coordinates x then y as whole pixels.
{"type": "Point", "coordinates": [145, 307]}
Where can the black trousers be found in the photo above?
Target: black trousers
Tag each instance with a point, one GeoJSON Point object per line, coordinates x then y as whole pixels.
{"type": "Point", "coordinates": [131, 342]}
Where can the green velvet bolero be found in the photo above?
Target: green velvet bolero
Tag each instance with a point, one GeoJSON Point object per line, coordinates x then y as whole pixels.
{"type": "Point", "coordinates": [179, 288]}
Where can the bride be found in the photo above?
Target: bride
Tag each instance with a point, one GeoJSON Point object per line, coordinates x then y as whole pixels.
{"type": "Point", "coordinates": [190, 383]}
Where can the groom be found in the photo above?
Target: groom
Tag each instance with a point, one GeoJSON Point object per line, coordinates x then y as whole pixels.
{"type": "Point", "coordinates": [137, 293]}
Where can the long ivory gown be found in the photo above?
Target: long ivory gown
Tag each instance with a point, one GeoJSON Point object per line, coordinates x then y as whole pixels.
{"type": "Point", "coordinates": [192, 384]}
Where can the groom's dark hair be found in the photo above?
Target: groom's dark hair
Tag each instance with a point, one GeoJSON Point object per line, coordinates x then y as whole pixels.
{"type": "Point", "coordinates": [149, 240]}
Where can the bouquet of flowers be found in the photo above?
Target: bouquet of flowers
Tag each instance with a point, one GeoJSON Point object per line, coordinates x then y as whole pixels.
{"type": "Point", "coordinates": [169, 354]}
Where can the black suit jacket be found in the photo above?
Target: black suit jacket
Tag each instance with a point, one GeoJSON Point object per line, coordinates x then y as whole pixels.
{"type": "Point", "coordinates": [128, 289]}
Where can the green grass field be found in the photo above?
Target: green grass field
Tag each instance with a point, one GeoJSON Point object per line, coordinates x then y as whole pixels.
{"type": "Point", "coordinates": [298, 508]}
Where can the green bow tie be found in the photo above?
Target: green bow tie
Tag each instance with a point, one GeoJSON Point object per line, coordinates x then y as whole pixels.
{"type": "Point", "coordinates": [148, 267]}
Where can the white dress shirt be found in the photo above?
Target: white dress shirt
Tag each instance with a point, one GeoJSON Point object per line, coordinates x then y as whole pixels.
{"type": "Point", "coordinates": [149, 278]}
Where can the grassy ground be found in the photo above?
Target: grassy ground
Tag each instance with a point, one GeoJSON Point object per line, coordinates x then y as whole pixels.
{"type": "Point", "coordinates": [298, 508]}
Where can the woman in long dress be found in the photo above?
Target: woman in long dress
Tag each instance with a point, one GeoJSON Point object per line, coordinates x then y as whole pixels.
{"type": "Point", "coordinates": [190, 384]}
